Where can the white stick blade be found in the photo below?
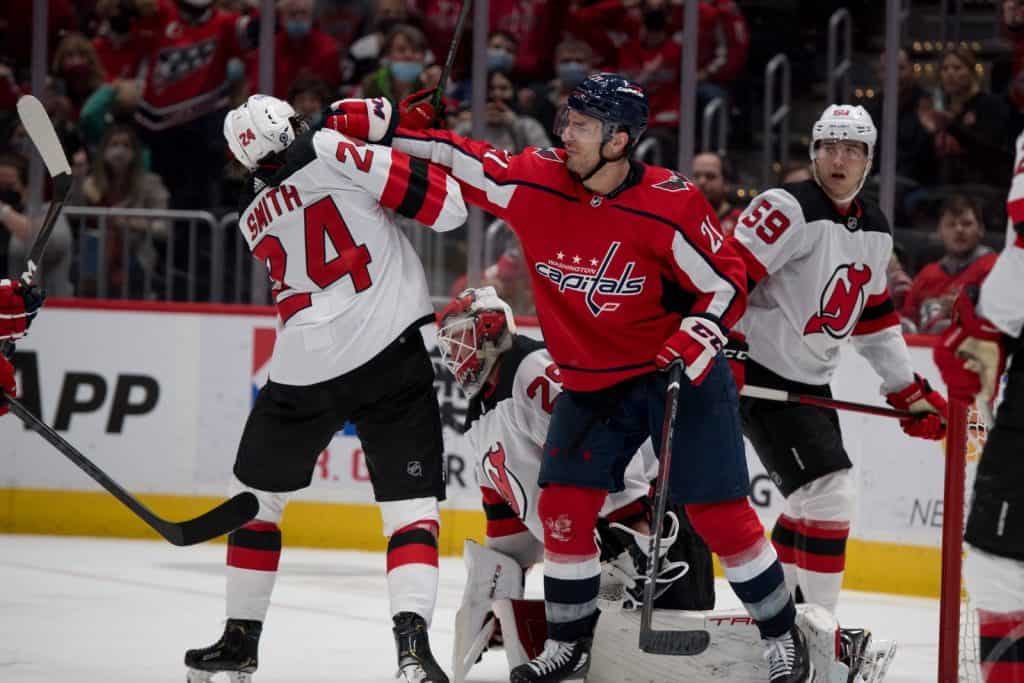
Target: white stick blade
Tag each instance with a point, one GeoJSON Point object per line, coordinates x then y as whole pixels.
{"type": "Point", "coordinates": [39, 127]}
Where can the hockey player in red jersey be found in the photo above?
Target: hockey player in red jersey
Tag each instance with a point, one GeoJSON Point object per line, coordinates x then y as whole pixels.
{"type": "Point", "coordinates": [972, 355]}
{"type": "Point", "coordinates": [816, 255]}
{"type": "Point", "coordinates": [18, 306]}
{"type": "Point", "coordinates": [351, 296]}
{"type": "Point", "coordinates": [630, 274]}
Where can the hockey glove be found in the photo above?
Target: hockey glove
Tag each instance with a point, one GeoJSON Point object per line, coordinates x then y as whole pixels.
{"type": "Point", "coordinates": [695, 345]}
{"type": "Point", "coordinates": [736, 353]}
{"type": "Point", "coordinates": [18, 307]}
{"type": "Point", "coordinates": [971, 355]}
{"type": "Point", "coordinates": [919, 397]}
{"type": "Point", "coordinates": [416, 112]}
{"type": "Point", "coordinates": [365, 119]}
{"type": "Point", "coordinates": [7, 385]}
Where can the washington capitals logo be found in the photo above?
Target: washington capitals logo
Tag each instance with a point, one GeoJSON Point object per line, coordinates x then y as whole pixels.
{"type": "Point", "coordinates": [593, 279]}
{"type": "Point", "coordinates": [842, 301]}
{"type": "Point", "coordinates": [504, 480]}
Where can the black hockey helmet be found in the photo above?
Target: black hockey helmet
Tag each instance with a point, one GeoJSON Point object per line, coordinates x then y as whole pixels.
{"type": "Point", "coordinates": [615, 101]}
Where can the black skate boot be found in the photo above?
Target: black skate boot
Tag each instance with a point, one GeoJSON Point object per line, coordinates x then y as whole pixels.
{"type": "Point", "coordinates": [234, 654]}
{"type": "Point", "coordinates": [853, 645]}
{"type": "Point", "coordinates": [559, 661]}
{"type": "Point", "coordinates": [415, 661]}
{"type": "Point", "coordinates": [788, 660]}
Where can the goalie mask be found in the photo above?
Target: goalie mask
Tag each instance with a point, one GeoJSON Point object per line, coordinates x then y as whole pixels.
{"type": "Point", "coordinates": [840, 122]}
{"type": "Point", "coordinates": [476, 328]}
{"type": "Point", "coordinates": [261, 127]}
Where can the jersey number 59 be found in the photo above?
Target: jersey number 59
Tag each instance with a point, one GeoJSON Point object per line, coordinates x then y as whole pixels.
{"type": "Point", "coordinates": [767, 223]}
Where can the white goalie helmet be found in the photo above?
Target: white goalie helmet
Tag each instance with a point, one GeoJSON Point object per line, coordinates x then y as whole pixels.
{"type": "Point", "coordinates": [475, 329]}
{"type": "Point", "coordinates": [260, 127]}
{"type": "Point", "coordinates": [844, 122]}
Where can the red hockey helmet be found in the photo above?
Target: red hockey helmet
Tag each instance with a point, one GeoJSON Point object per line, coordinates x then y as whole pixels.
{"type": "Point", "coordinates": [476, 328]}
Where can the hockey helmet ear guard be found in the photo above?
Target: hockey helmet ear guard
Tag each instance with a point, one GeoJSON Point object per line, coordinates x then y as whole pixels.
{"type": "Point", "coordinates": [475, 329]}
{"type": "Point", "coordinates": [261, 127]}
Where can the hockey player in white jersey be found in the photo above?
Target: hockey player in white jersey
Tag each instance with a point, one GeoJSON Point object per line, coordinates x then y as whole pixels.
{"type": "Point", "coordinates": [351, 296]}
{"type": "Point", "coordinates": [816, 255]}
{"type": "Point", "coordinates": [513, 384]}
{"type": "Point", "coordinates": [972, 356]}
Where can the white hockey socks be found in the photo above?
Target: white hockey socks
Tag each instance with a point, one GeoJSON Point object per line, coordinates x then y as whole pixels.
{"type": "Point", "coordinates": [254, 552]}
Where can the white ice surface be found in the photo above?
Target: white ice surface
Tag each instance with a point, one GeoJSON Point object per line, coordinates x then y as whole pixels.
{"type": "Point", "coordinates": [116, 611]}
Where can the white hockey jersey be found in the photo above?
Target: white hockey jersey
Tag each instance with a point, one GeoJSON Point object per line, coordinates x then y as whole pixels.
{"type": "Point", "coordinates": [817, 278]}
{"type": "Point", "coordinates": [506, 435]}
{"type": "Point", "coordinates": [1002, 296]}
{"type": "Point", "coordinates": [346, 281]}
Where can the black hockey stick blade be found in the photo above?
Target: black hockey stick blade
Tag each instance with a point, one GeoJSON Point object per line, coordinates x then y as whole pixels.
{"type": "Point", "coordinates": [460, 26]}
{"type": "Point", "coordinates": [665, 642]}
{"type": "Point", "coordinates": [678, 643]}
{"type": "Point", "coordinates": [223, 519]}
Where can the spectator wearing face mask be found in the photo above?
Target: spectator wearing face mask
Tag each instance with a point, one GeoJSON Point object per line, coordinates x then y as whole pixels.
{"type": "Point", "coordinates": [574, 61]}
{"type": "Point", "coordinates": [18, 230]}
{"type": "Point", "coordinates": [402, 60]}
{"type": "Point", "coordinates": [301, 50]}
{"type": "Point", "coordinates": [118, 180]}
{"type": "Point", "coordinates": [505, 127]}
{"type": "Point", "coordinates": [78, 67]}
{"type": "Point", "coordinates": [365, 52]}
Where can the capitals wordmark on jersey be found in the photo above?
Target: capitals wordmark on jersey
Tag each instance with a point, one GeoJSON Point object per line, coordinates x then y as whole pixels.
{"type": "Point", "coordinates": [570, 274]}
{"type": "Point", "coordinates": [842, 301]}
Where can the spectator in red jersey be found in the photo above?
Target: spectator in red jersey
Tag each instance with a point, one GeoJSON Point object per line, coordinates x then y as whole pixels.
{"type": "Point", "coordinates": [16, 25]}
{"type": "Point", "coordinates": [126, 34]}
{"type": "Point", "coordinates": [301, 50]}
{"type": "Point", "coordinates": [402, 61]}
{"type": "Point", "coordinates": [345, 20]}
{"type": "Point", "coordinates": [736, 35]}
{"type": "Point", "coordinates": [929, 302]}
{"type": "Point", "coordinates": [711, 175]}
{"type": "Point", "coordinates": [970, 127]}
{"type": "Point", "coordinates": [78, 67]}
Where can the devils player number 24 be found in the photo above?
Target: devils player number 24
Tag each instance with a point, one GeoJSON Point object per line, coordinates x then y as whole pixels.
{"type": "Point", "coordinates": [767, 223]}
{"type": "Point", "coordinates": [323, 222]}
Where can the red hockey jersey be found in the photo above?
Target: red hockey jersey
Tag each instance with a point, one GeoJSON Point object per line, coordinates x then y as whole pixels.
{"type": "Point", "coordinates": [612, 275]}
{"type": "Point", "coordinates": [929, 303]}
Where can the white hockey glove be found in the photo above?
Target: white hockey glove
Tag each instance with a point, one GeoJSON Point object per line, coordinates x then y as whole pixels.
{"type": "Point", "coordinates": [624, 561]}
{"type": "Point", "coordinates": [490, 576]}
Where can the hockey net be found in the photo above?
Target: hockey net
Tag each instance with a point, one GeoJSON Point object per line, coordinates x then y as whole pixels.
{"type": "Point", "coordinates": [959, 661]}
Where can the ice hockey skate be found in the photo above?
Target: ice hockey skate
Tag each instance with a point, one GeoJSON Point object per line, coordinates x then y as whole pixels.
{"type": "Point", "coordinates": [788, 659]}
{"type": "Point", "coordinates": [234, 654]}
{"type": "Point", "coordinates": [415, 661]}
{"type": "Point", "coordinates": [559, 661]}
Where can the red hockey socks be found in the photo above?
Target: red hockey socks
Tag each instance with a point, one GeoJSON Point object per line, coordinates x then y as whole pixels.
{"type": "Point", "coordinates": [254, 552]}
{"type": "Point", "coordinates": [1001, 650]}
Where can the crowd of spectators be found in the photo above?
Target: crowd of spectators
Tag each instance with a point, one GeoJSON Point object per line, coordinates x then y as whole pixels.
{"type": "Point", "coordinates": [138, 89]}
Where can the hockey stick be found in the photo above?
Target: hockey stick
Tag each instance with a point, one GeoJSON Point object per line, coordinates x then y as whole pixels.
{"type": "Point", "coordinates": [460, 25]}
{"type": "Point", "coordinates": [222, 519]}
{"type": "Point", "coordinates": [823, 402]}
{"type": "Point", "coordinates": [40, 129]}
{"type": "Point", "coordinates": [666, 642]}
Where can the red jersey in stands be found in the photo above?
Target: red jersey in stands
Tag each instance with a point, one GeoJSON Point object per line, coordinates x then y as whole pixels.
{"type": "Point", "coordinates": [186, 68]}
{"type": "Point", "coordinates": [929, 303]}
{"type": "Point", "coordinates": [612, 275]}
{"type": "Point", "coordinates": [316, 55]}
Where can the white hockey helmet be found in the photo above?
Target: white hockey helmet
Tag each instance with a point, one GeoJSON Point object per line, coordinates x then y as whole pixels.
{"type": "Point", "coordinates": [844, 122]}
{"type": "Point", "coordinates": [258, 128]}
{"type": "Point", "coordinates": [475, 329]}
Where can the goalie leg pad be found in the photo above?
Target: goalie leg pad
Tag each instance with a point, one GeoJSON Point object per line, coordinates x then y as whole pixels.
{"type": "Point", "coordinates": [491, 576]}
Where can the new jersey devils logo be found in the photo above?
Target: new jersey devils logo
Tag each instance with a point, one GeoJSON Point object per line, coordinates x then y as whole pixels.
{"type": "Point", "coordinates": [842, 301]}
{"type": "Point", "coordinates": [504, 480]}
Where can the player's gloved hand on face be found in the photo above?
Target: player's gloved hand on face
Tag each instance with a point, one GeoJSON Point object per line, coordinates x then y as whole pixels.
{"type": "Point", "coordinates": [415, 112]}
{"type": "Point", "coordinates": [919, 397]}
{"type": "Point", "coordinates": [7, 385]}
{"type": "Point", "coordinates": [735, 352]}
{"type": "Point", "coordinates": [695, 345]}
{"type": "Point", "coordinates": [971, 354]}
{"type": "Point", "coordinates": [365, 119]}
{"type": "Point", "coordinates": [18, 307]}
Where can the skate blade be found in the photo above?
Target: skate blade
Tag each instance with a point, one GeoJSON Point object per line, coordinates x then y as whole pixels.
{"type": "Point", "coordinates": [877, 660]}
{"type": "Point", "coordinates": [197, 676]}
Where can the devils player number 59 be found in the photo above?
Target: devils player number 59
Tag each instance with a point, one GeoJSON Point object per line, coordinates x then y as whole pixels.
{"type": "Point", "coordinates": [323, 222]}
{"type": "Point", "coordinates": [773, 224]}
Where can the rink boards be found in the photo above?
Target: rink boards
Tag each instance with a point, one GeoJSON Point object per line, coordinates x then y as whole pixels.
{"type": "Point", "coordinates": [157, 396]}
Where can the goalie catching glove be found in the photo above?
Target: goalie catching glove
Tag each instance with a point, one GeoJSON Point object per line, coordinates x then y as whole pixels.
{"type": "Point", "coordinates": [971, 355]}
{"type": "Point", "coordinates": [919, 397]}
{"type": "Point", "coordinates": [695, 345]}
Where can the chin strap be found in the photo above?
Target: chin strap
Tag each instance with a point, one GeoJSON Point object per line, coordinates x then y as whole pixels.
{"type": "Point", "coordinates": [856, 191]}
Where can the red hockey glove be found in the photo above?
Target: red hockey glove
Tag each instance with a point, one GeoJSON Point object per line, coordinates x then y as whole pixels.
{"type": "Point", "coordinates": [736, 353]}
{"type": "Point", "coordinates": [416, 112]}
{"type": "Point", "coordinates": [695, 345]}
{"type": "Point", "coordinates": [971, 355]}
{"type": "Point", "coordinates": [18, 306]}
{"type": "Point", "coordinates": [919, 397]}
{"type": "Point", "coordinates": [366, 119]}
{"type": "Point", "coordinates": [7, 385]}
